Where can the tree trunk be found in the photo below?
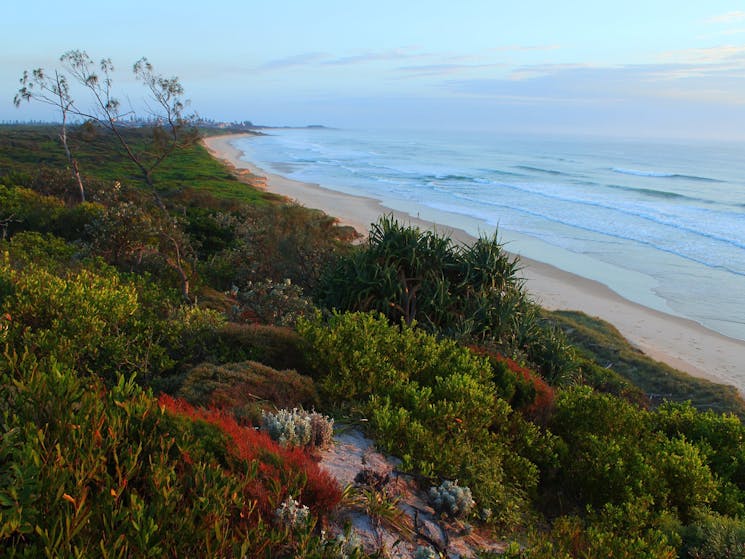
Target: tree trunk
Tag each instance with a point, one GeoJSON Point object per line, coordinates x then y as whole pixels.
{"type": "Point", "coordinates": [76, 173]}
{"type": "Point", "coordinates": [70, 158]}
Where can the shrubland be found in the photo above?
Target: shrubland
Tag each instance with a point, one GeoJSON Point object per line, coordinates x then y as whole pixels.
{"type": "Point", "coordinates": [144, 343]}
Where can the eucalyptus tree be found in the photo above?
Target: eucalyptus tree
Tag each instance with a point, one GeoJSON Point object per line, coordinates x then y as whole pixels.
{"type": "Point", "coordinates": [171, 129]}
{"type": "Point", "coordinates": [52, 89]}
{"type": "Point", "coordinates": [165, 105]}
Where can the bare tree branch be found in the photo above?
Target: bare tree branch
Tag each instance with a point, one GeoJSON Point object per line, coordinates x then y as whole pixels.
{"type": "Point", "coordinates": [54, 91]}
{"type": "Point", "coordinates": [171, 130]}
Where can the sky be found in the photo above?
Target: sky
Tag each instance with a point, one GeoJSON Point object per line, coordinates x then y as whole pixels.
{"type": "Point", "coordinates": [637, 68]}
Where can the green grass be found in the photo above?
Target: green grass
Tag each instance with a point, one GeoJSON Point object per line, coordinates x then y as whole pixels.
{"type": "Point", "coordinates": [26, 149]}
{"type": "Point", "coordinates": [601, 342]}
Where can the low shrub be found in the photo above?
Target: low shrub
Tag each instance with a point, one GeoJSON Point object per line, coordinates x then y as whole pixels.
{"type": "Point", "coordinates": [425, 552]}
{"type": "Point", "coordinates": [714, 537]}
{"type": "Point", "coordinates": [287, 427]}
{"type": "Point", "coordinates": [90, 320]}
{"type": "Point", "coordinates": [452, 500]}
{"type": "Point", "coordinates": [720, 438]}
{"type": "Point", "coordinates": [525, 390]}
{"type": "Point", "coordinates": [246, 389]}
{"type": "Point", "coordinates": [614, 455]}
{"type": "Point", "coordinates": [322, 430]}
{"type": "Point", "coordinates": [268, 302]}
{"type": "Point", "coordinates": [94, 473]}
{"type": "Point", "coordinates": [282, 472]}
{"type": "Point", "coordinates": [278, 241]}
{"type": "Point", "coordinates": [430, 402]}
{"type": "Point", "coordinates": [277, 347]}
{"type": "Point", "coordinates": [292, 515]}
{"type": "Point", "coordinates": [298, 428]}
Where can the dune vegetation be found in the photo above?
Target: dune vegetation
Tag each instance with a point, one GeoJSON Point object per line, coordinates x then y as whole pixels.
{"type": "Point", "coordinates": [149, 333]}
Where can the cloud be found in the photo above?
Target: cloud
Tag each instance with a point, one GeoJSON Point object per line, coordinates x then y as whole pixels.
{"type": "Point", "coordinates": [293, 61]}
{"type": "Point", "coordinates": [537, 70]}
{"type": "Point", "coordinates": [723, 33]}
{"type": "Point", "coordinates": [371, 56]}
{"type": "Point", "coordinates": [521, 48]}
{"type": "Point", "coordinates": [732, 31]}
{"type": "Point", "coordinates": [326, 59]}
{"type": "Point", "coordinates": [729, 17]}
{"type": "Point", "coordinates": [443, 69]}
{"type": "Point", "coordinates": [573, 84]}
{"type": "Point", "coordinates": [445, 64]}
{"type": "Point", "coordinates": [709, 55]}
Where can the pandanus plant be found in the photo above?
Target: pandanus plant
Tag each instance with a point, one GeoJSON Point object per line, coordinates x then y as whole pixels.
{"type": "Point", "coordinates": [413, 275]}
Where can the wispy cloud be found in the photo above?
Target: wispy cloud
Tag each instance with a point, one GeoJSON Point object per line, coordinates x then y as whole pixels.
{"type": "Point", "coordinates": [293, 61]}
{"type": "Point", "coordinates": [710, 55]}
{"type": "Point", "coordinates": [525, 48]}
{"type": "Point", "coordinates": [439, 63]}
{"type": "Point", "coordinates": [443, 69]}
{"type": "Point", "coordinates": [723, 33]}
{"type": "Point", "coordinates": [448, 65]}
{"type": "Point", "coordinates": [733, 31]}
{"type": "Point", "coordinates": [729, 17]}
{"type": "Point", "coordinates": [372, 56]}
{"type": "Point", "coordinates": [326, 59]}
{"type": "Point", "coordinates": [538, 70]}
{"type": "Point", "coordinates": [567, 83]}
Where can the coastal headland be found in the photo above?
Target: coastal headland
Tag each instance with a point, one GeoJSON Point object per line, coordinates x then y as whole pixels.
{"type": "Point", "coordinates": [681, 343]}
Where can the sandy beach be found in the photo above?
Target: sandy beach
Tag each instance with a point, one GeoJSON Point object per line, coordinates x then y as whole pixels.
{"type": "Point", "coordinates": [684, 344]}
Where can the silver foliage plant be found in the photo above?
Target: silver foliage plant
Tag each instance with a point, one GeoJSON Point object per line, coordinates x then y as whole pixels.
{"type": "Point", "coordinates": [427, 552]}
{"type": "Point", "coordinates": [298, 427]}
{"type": "Point", "coordinates": [292, 515]}
{"type": "Point", "coordinates": [451, 499]}
{"type": "Point", "coordinates": [345, 545]}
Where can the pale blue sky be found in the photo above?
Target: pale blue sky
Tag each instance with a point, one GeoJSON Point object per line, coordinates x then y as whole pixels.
{"type": "Point", "coordinates": [631, 68]}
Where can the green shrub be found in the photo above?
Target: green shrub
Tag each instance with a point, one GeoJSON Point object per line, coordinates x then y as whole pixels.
{"type": "Point", "coordinates": [88, 320]}
{"type": "Point", "coordinates": [87, 472]}
{"type": "Point", "coordinates": [691, 486]}
{"type": "Point", "coordinates": [608, 449]}
{"type": "Point", "coordinates": [719, 437]}
{"type": "Point", "coordinates": [26, 210]}
{"type": "Point", "coordinates": [268, 302]}
{"type": "Point", "coordinates": [614, 456]}
{"type": "Point", "coordinates": [278, 241]}
{"type": "Point", "coordinates": [190, 332]}
{"type": "Point", "coordinates": [431, 403]}
{"type": "Point", "coordinates": [277, 347]}
{"type": "Point", "coordinates": [714, 537]}
{"type": "Point", "coordinates": [618, 533]}
{"type": "Point", "coordinates": [42, 249]}
{"type": "Point", "coordinates": [246, 389]}
{"type": "Point", "coordinates": [360, 354]}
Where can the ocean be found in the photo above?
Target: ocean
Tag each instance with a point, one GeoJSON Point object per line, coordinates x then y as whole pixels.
{"type": "Point", "coordinates": [662, 224]}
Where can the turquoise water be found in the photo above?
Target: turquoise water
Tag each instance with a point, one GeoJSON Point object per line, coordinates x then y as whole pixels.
{"type": "Point", "coordinates": [661, 224]}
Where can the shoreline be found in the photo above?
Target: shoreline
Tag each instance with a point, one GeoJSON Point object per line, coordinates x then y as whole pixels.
{"type": "Point", "coordinates": [682, 343]}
